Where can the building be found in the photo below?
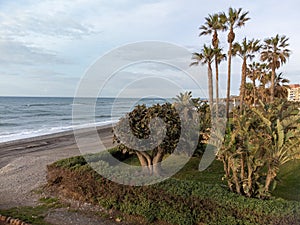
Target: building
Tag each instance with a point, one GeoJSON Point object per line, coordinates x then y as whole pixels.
{"type": "Point", "coordinates": [294, 93]}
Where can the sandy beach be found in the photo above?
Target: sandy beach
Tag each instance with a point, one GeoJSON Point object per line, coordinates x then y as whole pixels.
{"type": "Point", "coordinates": [23, 163]}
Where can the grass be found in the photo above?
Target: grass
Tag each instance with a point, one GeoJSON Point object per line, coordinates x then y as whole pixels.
{"type": "Point", "coordinates": [289, 181]}
{"type": "Point", "coordinates": [33, 215]}
{"type": "Point", "coordinates": [50, 202]}
{"type": "Point", "coordinates": [288, 184]}
{"type": "Point", "coordinates": [212, 175]}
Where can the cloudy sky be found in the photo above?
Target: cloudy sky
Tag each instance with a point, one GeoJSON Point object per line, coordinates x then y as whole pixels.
{"type": "Point", "coordinates": [47, 47]}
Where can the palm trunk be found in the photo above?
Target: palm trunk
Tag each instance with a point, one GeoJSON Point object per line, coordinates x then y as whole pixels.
{"type": "Point", "coordinates": [262, 93]}
{"type": "Point", "coordinates": [235, 178]}
{"type": "Point", "coordinates": [228, 79]}
{"type": "Point", "coordinates": [243, 84]}
{"type": "Point", "coordinates": [250, 182]}
{"type": "Point", "coordinates": [217, 86]}
{"type": "Point", "coordinates": [226, 166]}
{"type": "Point", "coordinates": [242, 168]}
{"type": "Point", "coordinates": [270, 177]}
{"type": "Point", "coordinates": [273, 83]}
{"type": "Point", "coordinates": [254, 92]}
{"type": "Point", "coordinates": [210, 87]}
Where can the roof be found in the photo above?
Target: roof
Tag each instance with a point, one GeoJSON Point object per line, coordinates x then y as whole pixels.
{"type": "Point", "coordinates": [294, 85]}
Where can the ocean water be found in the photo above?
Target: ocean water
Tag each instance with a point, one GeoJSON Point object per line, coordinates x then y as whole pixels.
{"type": "Point", "coordinates": [24, 117]}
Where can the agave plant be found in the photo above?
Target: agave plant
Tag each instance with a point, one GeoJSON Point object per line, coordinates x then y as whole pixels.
{"type": "Point", "coordinates": [258, 142]}
{"type": "Point", "coordinates": [282, 128]}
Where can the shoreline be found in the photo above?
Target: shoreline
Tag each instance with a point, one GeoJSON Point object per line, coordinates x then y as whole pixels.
{"type": "Point", "coordinates": [58, 132]}
{"type": "Point", "coordinates": [23, 162]}
{"type": "Point", "coordinates": [52, 135]}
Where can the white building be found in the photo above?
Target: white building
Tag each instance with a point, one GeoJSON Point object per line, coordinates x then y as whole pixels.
{"type": "Point", "coordinates": [294, 93]}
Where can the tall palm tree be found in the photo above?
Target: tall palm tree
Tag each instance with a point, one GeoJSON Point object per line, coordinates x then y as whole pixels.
{"type": "Point", "coordinates": [212, 25]}
{"type": "Point", "coordinates": [245, 51]}
{"type": "Point", "coordinates": [206, 56]}
{"type": "Point", "coordinates": [235, 18]}
{"type": "Point", "coordinates": [219, 57]}
{"type": "Point", "coordinates": [275, 53]}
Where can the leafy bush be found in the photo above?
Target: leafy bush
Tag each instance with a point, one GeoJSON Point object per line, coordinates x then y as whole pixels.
{"type": "Point", "coordinates": [153, 132]}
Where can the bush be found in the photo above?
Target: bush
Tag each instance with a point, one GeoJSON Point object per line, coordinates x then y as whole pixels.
{"type": "Point", "coordinates": [259, 141]}
{"type": "Point", "coordinates": [174, 201]}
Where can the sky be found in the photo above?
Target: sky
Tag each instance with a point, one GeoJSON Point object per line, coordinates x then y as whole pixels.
{"type": "Point", "coordinates": [47, 48]}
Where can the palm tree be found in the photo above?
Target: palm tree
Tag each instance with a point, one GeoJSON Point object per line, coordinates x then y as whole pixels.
{"type": "Point", "coordinates": [253, 71]}
{"type": "Point", "coordinates": [281, 86]}
{"type": "Point", "coordinates": [264, 77]}
{"type": "Point", "coordinates": [245, 51]}
{"type": "Point", "coordinates": [206, 57]}
{"type": "Point", "coordinates": [186, 99]}
{"type": "Point", "coordinates": [249, 98]}
{"type": "Point", "coordinates": [275, 53]}
{"type": "Point", "coordinates": [212, 25]}
{"type": "Point", "coordinates": [219, 57]}
{"type": "Point", "coordinates": [235, 18]}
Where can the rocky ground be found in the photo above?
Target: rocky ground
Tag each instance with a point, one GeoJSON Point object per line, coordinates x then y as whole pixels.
{"type": "Point", "coordinates": [23, 173]}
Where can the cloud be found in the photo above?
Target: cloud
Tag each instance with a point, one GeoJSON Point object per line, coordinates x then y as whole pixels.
{"type": "Point", "coordinates": [61, 38]}
{"type": "Point", "coordinates": [18, 53]}
{"type": "Point", "coordinates": [50, 18]}
{"type": "Point", "coordinates": [30, 29]}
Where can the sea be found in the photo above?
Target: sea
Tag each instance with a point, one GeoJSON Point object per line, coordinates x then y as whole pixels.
{"type": "Point", "coordinates": [25, 117]}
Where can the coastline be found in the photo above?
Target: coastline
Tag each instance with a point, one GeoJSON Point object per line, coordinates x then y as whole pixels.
{"type": "Point", "coordinates": [23, 162]}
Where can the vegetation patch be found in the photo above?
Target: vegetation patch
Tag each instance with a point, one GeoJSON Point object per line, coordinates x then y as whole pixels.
{"type": "Point", "coordinates": [174, 201]}
{"type": "Point", "coordinates": [33, 215]}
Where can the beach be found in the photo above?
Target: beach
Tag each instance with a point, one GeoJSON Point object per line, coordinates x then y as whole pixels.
{"type": "Point", "coordinates": [23, 163]}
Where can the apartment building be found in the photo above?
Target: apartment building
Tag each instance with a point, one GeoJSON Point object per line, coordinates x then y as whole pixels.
{"type": "Point", "coordinates": [294, 93]}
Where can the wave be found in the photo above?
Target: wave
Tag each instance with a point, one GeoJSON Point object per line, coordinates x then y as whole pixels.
{"type": "Point", "coordinates": [6, 136]}
{"type": "Point", "coordinates": [41, 114]}
{"type": "Point", "coordinates": [46, 104]}
{"type": "Point", "coordinates": [47, 114]}
{"type": "Point", "coordinates": [8, 124]}
{"type": "Point", "coordinates": [30, 117]}
{"type": "Point", "coordinates": [104, 116]}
